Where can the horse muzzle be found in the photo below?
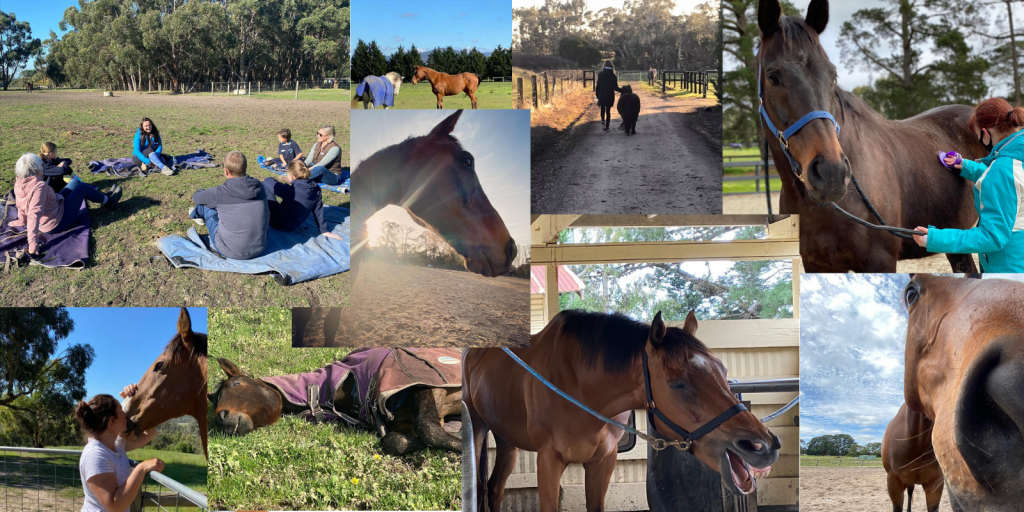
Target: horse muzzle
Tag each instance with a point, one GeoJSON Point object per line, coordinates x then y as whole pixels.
{"type": "Point", "coordinates": [827, 180]}
{"type": "Point", "coordinates": [486, 262]}
{"type": "Point", "coordinates": [741, 455]}
{"type": "Point", "coordinates": [234, 423]}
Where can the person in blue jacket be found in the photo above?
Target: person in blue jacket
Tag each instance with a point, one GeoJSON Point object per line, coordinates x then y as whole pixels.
{"type": "Point", "coordinates": [998, 178]}
{"type": "Point", "coordinates": [148, 149]}
{"type": "Point", "coordinates": [300, 198]}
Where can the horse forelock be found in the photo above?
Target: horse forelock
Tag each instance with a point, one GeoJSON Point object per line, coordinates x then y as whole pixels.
{"type": "Point", "coordinates": [177, 349]}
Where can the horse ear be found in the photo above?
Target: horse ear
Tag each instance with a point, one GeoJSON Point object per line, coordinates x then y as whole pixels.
{"type": "Point", "coordinates": [817, 15]}
{"type": "Point", "coordinates": [690, 326]}
{"type": "Point", "coordinates": [658, 329]}
{"type": "Point", "coordinates": [447, 126]}
{"type": "Point", "coordinates": [769, 15]}
{"type": "Point", "coordinates": [229, 368]}
{"type": "Point", "coordinates": [185, 328]}
{"type": "Point", "coordinates": [212, 397]}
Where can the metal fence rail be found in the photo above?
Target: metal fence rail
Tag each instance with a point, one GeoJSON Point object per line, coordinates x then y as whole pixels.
{"type": "Point", "coordinates": [36, 479]}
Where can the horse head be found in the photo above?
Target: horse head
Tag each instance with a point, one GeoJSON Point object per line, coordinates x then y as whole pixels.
{"type": "Point", "coordinates": [173, 385]}
{"type": "Point", "coordinates": [627, 89]}
{"type": "Point", "coordinates": [689, 386]}
{"type": "Point", "coordinates": [419, 73]}
{"type": "Point", "coordinates": [796, 78]}
{"type": "Point", "coordinates": [242, 404]}
{"type": "Point", "coordinates": [395, 79]}
{"type": "Point", "coordinates": [965, 371]}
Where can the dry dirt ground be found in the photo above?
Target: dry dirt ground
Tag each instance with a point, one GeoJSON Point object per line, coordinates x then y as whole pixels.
{"type": "Point", "coordinates": [400, 305]}
{"type": "Point", "coordinates": [668, 167]}
{"type": "Point", "coordinates": [852, 490]}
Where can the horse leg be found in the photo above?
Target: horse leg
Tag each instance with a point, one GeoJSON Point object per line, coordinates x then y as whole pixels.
{"type": "Point", "coordinates": [472, 97]}
{"type": "Point", "coordinates": [933, 495]}
{"type": "Point", "coordinates": [401, 440]}
{"type": "Point", "coordinates": [480, 431]}
{"type": "Point", "coordinates": [440, 100]}
{"type": "Point", "coordinates": [549, 476]}
{"type": "Point", "coordinates": [429, 421]}
{"type": "Point", "coordinates": [895, 488]}
{"type": "Point", "coordinates": [910, 498]}
{"type": "Point", "coordinates": [597, 478]}
{"type": "Point", "coordinates": [504, 462]}
{"type": "Point", "coordinates": [331, 324]}
{"type": "Point", "coordinates": [962, 263]}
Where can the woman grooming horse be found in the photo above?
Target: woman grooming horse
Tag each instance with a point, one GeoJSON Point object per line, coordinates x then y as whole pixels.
{"type": "Point", "coordinates": [998, 188]}
{"type": "Point", "coordinates": [147, 149]}
{"type": "Point", "coordinates": [444, 84]}
{"type": "Point", "coordinates": [108, 480]}
{"type": "Point", "coordinates": [324, 160]}
{"type": "Point", "coordinates": [607, 86]}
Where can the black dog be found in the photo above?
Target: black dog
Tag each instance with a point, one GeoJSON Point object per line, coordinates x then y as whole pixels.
{"type": "Point", "coordinates": [629, 110]}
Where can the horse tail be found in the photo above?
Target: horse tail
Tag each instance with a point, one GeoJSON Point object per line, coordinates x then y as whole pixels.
{"type": "Point", "coordinates": [355, 101]}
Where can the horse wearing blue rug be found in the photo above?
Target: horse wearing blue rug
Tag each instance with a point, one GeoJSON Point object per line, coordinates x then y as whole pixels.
{"type": "Point", "coordinates": [403, 394]}
{"type": "Point", "coordinates": [378, 91]}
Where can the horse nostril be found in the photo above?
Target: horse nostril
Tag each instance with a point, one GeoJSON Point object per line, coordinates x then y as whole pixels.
{"type": "Point", "coordinates": [222, 416]}
{"type": "Point", "coordinates": [510, 250]}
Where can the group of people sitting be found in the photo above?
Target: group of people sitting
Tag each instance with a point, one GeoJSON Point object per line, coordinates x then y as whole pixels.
{"type": "Point", "coordinates": [238, 213]}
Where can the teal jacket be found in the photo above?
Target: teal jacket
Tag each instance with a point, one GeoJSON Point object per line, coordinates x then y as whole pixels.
{"type": "Point", "coordinates": [998, 238]}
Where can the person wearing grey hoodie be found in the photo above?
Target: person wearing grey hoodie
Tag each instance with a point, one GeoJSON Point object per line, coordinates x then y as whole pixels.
{"type": "Point", "coordinates": [235, 212]}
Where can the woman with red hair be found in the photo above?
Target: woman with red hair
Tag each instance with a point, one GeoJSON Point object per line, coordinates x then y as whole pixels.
{"type": "Point", "coordinates": [998, 178]}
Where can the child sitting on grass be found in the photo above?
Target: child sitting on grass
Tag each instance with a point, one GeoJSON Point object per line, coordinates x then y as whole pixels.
{"type": "Point", "coordinates": [300, 197]}
{"type": "Point", "coordinates": [56, 170]}
{"type": "Point", "coordinates": [234, 212]}
{"type": "Point", "coordinates": [287, 149]}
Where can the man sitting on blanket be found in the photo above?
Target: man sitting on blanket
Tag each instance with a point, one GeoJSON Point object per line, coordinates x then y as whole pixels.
{"type": "Point", "coordinates": [235, 212]}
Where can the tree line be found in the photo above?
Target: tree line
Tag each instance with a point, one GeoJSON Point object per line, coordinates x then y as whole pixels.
{"type": "Point", "coordinates": [839, 445]}
{"type": "Point", "coordinates": [369, 60]}
{"type": "Point", "coordinates": [136, 45]}
{"type": "Point", "coordinates": [919, 54]}
{"type": "Point", "coordinates": [642, 33]}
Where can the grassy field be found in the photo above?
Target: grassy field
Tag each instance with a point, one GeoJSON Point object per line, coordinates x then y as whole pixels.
{"type": "Point", "coordinates": [86, 126]}
{"type": "Point", "coordinates": [676, 92]}
{"type": "Point", "coordinates": [296, 465]}
{"type": "Point", "coordinates": [744, 154]}
{"type": "Point", "coordinates": [494, 95]}
{"type": "Point", "coordinates": [824, 461]}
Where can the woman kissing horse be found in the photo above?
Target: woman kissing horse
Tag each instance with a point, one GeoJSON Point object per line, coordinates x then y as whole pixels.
{"type": "Point", "coordinates": [964, 370]}
{"type": "Point", "coordinates": [909, 460]}
{"type": "Point", "coordinates": [175, 384]}
{"type": "Point", "coordinates": [435, 180]}
{"type": "Point", "coordinates": [893, 161]}
{"type": "Point", "coordinates": [602, 361]}
{"type": "Point", "coordinates": [444, 84]}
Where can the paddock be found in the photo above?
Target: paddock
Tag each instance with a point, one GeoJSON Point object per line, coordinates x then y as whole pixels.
{"type": "Point", "coordinates": [490, 95]}
{"type": "Point", "coordinates": [752, 350]}
{"type": "Point", "coordinates": [852, 489]}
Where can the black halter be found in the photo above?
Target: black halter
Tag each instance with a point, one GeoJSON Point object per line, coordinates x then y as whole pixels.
{"type": "Point", "coordinates": [687, 436]}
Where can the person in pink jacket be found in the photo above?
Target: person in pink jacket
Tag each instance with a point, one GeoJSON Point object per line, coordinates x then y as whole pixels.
{"type": "Point", "coordinates": [41, 210]}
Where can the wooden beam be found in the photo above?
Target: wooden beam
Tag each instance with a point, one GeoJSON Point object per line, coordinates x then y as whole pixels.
{"type": "Point", "coordinates": [635, 221]}
{"type": "Point", "coordinates": [545, 228]}
{"type": "Point", "coordinates": [747, 334]}
{"type": "Point", "coordinates": [664, 252]}
{"type": "Point", "coordinates": [550, 292]}
{"type": "Point", "coordinates": [785, 228]}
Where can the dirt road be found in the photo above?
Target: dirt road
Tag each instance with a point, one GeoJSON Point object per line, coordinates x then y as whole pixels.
{"type": "Point", "coordinates": [852, 490]}
{"type": "Point", "coordinates": [401, 305]}
{"type": "Point", "coordinates": [667, 167]}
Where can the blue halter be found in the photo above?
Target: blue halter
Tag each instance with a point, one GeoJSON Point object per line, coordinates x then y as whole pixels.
{"type": "Point", "coordinates": [784, 135]}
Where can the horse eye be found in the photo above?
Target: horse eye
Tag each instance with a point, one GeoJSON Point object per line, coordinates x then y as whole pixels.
{"type": "Point", "coordinates": [159, 366]}
{"type": "Point", "coordinates": [773, 78]}
{"type": "Point", "coordinates": [233, 384]}
{"type": "Point", "coordinates": [911, 295]}
{"type": "Point", "coordinates": [678, 385]}
{"type": "Point", "coordinates": [467, 161]}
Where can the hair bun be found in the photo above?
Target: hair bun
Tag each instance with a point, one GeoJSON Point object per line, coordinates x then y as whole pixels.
{"type": "Point", "coordinates": [1015, 117]}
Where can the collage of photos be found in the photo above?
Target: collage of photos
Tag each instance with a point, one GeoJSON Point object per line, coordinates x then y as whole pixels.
{"type": "Point", "coordinates": [511, 256]}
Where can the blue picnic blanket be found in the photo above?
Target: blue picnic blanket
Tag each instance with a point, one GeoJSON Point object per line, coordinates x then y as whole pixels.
{"type": "Point", "coordinates": [382, 90]}
{"type": "Point", "coordinates": [344, 188]}
{"type": "Point", "coordinates": [291, 256]}
{"type": "Point", "coordinates": [121, 166]}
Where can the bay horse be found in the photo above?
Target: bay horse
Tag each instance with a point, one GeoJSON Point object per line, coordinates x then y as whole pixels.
{"type": "Point", "coordinates": [964, 370]}
{"type": "Point", "coordinates": [598, 358]}
{"type": "Point", "coordinates": [894, 161]}
{"type": "Point", "coordinates": [444, 84]}
{"type": "Point", "coordinates": [243, 404]}
{"type": "Point", "coordinates": [174, 384]}
{"type": "Point", "coordinates": [909, 460]}
{"type": "Point", "coordinates": [435, 180]}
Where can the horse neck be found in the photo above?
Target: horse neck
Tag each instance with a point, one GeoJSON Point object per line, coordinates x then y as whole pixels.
{"type": "Point", "coordinates": [432, 75]}
{"type": "Point", "coordinates": [608, 393]}
{"type": "Point", "coordinates": [376, 190]}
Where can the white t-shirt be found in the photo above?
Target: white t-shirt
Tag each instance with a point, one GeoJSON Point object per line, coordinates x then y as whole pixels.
{"type": "Point", "coordinates": [98, 459]}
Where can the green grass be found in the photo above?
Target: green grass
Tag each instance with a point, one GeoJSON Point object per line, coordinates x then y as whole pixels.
{"type": "Point", "coordinates": [493, 95]}
{"type": "Point", "coordinates": [676, 92]}
{"type": "Point", "coordinates": [732, 187]}
{"type": "Point", "coordinates": [296, 465]}
{"type": "Point", "coordinates": [86, 126]}
{"type": "Point", "coordinates": [824, 461]}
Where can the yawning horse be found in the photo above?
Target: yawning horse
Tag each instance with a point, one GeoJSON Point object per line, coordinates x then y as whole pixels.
{"type": "Point", "coordinates": [965, 371]}
{"type": "Point", "coordinates": [174, 384]}
{"type": "Point", "coordinates": [894, 161]}
{"type": "Point", "coordinates": [909, 460]}
{"type": "Point", "coordinates": [435, 180]}
{"type": "Point", "coordinates": [444, 84]}
{"type": "Point", "coordinates": [599, 360]}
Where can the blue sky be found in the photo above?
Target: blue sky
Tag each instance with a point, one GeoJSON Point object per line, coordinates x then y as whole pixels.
{"type": "Point", "coordinates": [852, 338]}
{"type": "Point", "coordinates": [126, 342]}
{"type": "Point", "coordinates": [41, 15]}
{"type": "Point", "coordinates": [498, 139]}
{"type": "Point", "coordinates": [457, 23]}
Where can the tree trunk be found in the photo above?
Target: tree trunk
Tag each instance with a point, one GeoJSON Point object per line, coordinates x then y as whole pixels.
{"type": "Point", "coordinates": [906, 12]}
{"type": "Point", "coordinates": [1013, 54]}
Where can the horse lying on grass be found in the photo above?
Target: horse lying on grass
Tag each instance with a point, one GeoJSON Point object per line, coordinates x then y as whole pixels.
{"type": "Point", "coordinates": [405, 395]}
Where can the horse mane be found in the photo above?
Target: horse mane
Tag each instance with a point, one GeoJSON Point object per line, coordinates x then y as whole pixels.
{"type": "Point", "coordinates": [176, 347]}
{"type": "Point", "coordinates": [618, 340]}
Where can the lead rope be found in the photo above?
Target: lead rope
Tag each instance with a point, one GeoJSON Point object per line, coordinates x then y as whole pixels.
{"type": "Point", "coordinates": [907, 234]}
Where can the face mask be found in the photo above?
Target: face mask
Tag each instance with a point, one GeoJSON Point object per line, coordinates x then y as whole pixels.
{"type": "Point", "coordinates": [981, 139]}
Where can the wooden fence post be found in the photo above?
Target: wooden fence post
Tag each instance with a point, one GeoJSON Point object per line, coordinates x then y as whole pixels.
{"type": "Point", "coordinates": [296, 89]}
{"type": "Point", "coordinates": [663, 84]}
{"type": "Point", "coordinates": [705, 84]}
{"type": "Point", "coordinates": [519, 88]}
{"type": "Point", "coordinates": [533, 80]}
{"type": "Point", "coordinates": [546, 98]}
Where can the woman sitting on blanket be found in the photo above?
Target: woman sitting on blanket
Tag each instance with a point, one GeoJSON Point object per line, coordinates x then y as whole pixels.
{"type": "Point", "coordinates": [324, 161]}
{"type": "Point", "coordinates": [300, 197]}
{"type": "Point", "coordinates": [148, 149]}
{"type": "Point", "coordinates": [41, 210]}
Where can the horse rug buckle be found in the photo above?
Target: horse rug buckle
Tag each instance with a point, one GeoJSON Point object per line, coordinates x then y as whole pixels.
{"type": "Point", "coordinates": [313, 394]}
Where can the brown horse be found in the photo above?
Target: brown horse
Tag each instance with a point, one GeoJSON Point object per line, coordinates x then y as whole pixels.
{"type": "Point", "coordinates": [909, 460]}
{"type": "Point", "coordinates": [444, 84]}
{"type": "Point", "coordinates": [243, 404]}
{"type": "Point", "coordinates": [435, 180]}
{"type": "Point", "coordinates": [174, 384]}
{"type": "Point", "coordinates": [894, 161]}
{"type": "Point", "coordinates": [965, 371]}
{"type": "Point", "coordinates": [596, 358]}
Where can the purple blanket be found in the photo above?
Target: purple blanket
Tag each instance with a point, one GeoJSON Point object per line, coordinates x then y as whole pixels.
{"type": "Point", "coordinates": [126, 167]}
{"type": "Point", "coordinates": [69, 249]}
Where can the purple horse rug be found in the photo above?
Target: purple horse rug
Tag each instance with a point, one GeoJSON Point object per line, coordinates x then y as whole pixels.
{"type": "Point", "coordinates": [124, 167]}
{"type": "Point", "coordinates": [69, 249]}
{"type": "Point", "coordinates": [381, 379]}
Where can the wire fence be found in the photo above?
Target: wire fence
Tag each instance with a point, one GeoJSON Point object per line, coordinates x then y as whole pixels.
{"type": "Point", "coordinates": [839, 462]}
{"type": "Point", "coordinates": [37, 479]}
{"type": "Point", "coordinates": [232, 88]}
